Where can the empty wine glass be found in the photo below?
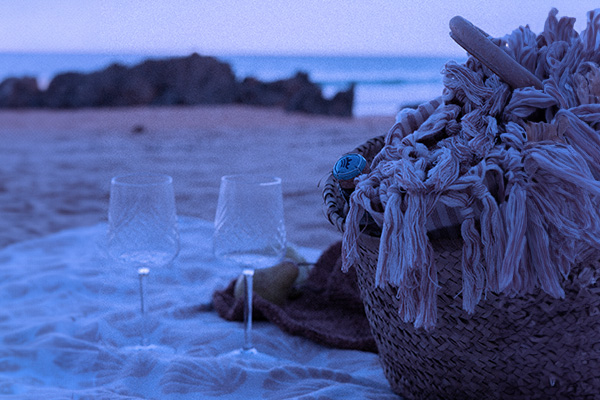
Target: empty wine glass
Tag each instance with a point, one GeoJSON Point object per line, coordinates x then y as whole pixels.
{"type": "Point", "coordinates": [142, 226]}
{"type": "Point", "coordinates": [249, 231]}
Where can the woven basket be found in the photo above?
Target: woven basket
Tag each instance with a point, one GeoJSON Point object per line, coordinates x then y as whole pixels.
{"type": "Point", "coordinates": [530, 347]}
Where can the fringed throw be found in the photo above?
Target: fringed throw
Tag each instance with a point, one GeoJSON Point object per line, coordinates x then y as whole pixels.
{"type": "Point", "coordinates": [519, 170]}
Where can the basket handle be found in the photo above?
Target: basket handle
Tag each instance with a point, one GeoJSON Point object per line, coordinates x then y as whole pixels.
{"type": "Point", "coordinates": [474, 41]}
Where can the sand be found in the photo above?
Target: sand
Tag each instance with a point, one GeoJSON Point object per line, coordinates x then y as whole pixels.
{"type": "Point", "coordinates": [56, 165]}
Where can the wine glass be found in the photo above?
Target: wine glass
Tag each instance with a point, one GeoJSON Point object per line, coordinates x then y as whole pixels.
{"type": "Point", "coordinates": [249, 231]}
{"type": "Point", "coordinates": [142, 227]}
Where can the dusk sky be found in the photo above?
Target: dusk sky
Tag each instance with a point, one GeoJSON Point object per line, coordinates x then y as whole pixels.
{"type": "Point", "coordinates": [348, 27]}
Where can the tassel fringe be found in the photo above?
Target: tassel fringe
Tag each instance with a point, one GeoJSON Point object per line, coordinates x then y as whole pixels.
{"type": "Point", "coordinates": [518, 170]}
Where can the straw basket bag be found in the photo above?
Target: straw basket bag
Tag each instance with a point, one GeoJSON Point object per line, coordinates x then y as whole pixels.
{"type": "Point", "coordinates": [530, 347]}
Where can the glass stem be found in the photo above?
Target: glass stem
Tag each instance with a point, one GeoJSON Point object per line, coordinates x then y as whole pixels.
{"type": "Point", "coordinates": [248, 277]}
{"type": "Point", "coordinates": [142, 274]}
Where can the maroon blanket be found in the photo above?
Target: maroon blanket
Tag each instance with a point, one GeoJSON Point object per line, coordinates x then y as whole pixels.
{"type": "Point", "coordinates": [328, 310]}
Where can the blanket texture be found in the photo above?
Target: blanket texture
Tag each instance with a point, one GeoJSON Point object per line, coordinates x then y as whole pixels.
{"type": "Point", "coordinates": [327, 310]}
{"type": "Point", "coordinates": [518, 169]}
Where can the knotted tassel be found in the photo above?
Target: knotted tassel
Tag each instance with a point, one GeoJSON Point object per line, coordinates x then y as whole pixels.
{"type": "Point", "coordinates": [511, 277]}
{"type": "Point", "coordinates": [546, 271]}
{"type": "Point", "coordinates": [582, 137]}
{"type": "Point", "coordinates": [418, 273]}
{"type": "Point", "coordinates": [426, 316]}
{"type": "Point", "coordinates": [414, 234]}
{"type": "Point", "coordinates": [473, 271]}
{"type": "Point", "coordinates": [590, 36]}
{"type": "Point", "coordinates": [562, 177]}
{"type": "Point", "coordinates": [408, 297]}
{"type": "Point", "coordinates": [351, 232]}
{"type": "Point", "coordinates": [390, 252]}
{"type": "Point", "coordinates": [493, 239]}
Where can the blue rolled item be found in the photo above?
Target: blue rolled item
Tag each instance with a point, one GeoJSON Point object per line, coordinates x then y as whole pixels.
{"type": "Point", "coordinates": [349, 167]}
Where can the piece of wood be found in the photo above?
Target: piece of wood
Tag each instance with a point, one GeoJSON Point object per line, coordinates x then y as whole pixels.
{"type": "Point", "coordinates": [471, 38]}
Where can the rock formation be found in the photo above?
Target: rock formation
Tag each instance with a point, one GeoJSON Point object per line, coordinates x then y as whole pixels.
{"type": "Point", "coordinates": [174, 81]}
{"type": "Point", "coordinates": [19, 93]}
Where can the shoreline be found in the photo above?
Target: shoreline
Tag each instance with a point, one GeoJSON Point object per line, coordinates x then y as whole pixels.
{"type": "Point", "coordinates": [57, 164]}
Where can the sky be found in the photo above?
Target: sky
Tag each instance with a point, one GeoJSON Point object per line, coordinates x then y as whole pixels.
{"type": "Point", "coordinates": [297, 27]}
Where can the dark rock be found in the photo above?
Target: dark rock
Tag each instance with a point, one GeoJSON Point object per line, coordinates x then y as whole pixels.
{"type": "Point", "coordinates": [98, 89]}
{"type": "Point", "coordinates": [186, 81]}
{"type": "Point", "coordinates": [294, 94]}
{"type": "Point", "coordinates": [342, 103]}
{"type": "Point", "coordinates": [307, 97]}
{"type": "Point", "coordinates": [273, 94]}
{"type": "Point", "coordinates": [19, 92]}
{"type": "Point", "coordinates": [189, 80]}
{"type": "Point", "coordinates": [174, 81]}
{"type": "Point", "coordinates": [253, 92]}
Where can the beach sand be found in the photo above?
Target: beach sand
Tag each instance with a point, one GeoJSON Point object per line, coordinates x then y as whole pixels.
{"type": "Point", "coordinates": [56, 165]}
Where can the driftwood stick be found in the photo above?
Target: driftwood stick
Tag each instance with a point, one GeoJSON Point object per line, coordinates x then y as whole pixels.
{"type": "Point", "coordinates": [471, 38]}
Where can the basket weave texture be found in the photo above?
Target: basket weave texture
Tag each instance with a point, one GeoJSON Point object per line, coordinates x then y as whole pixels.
{"type": "Point", "coordinates": [527, 347]}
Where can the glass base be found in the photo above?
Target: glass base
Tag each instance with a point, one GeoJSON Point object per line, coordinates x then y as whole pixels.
{"type": "Point", "coordinates": [245, 352]}
{"type": "Point", "coordinates": [250, 355]}
{"type": "Point", "coordinates": [150, 348]}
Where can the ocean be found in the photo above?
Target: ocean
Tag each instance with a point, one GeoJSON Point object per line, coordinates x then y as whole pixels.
{"type": "Point", "coordinates": [384, 84]}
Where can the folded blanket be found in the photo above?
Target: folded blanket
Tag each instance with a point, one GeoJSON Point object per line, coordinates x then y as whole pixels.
{"type": "Point", "coordinates": [328, 309]}
{"type": "Point", "coordinates": [518, 169]}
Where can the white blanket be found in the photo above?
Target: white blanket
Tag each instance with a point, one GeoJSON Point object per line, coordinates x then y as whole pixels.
{"type": "Point", "coordinates": [70, 318]}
